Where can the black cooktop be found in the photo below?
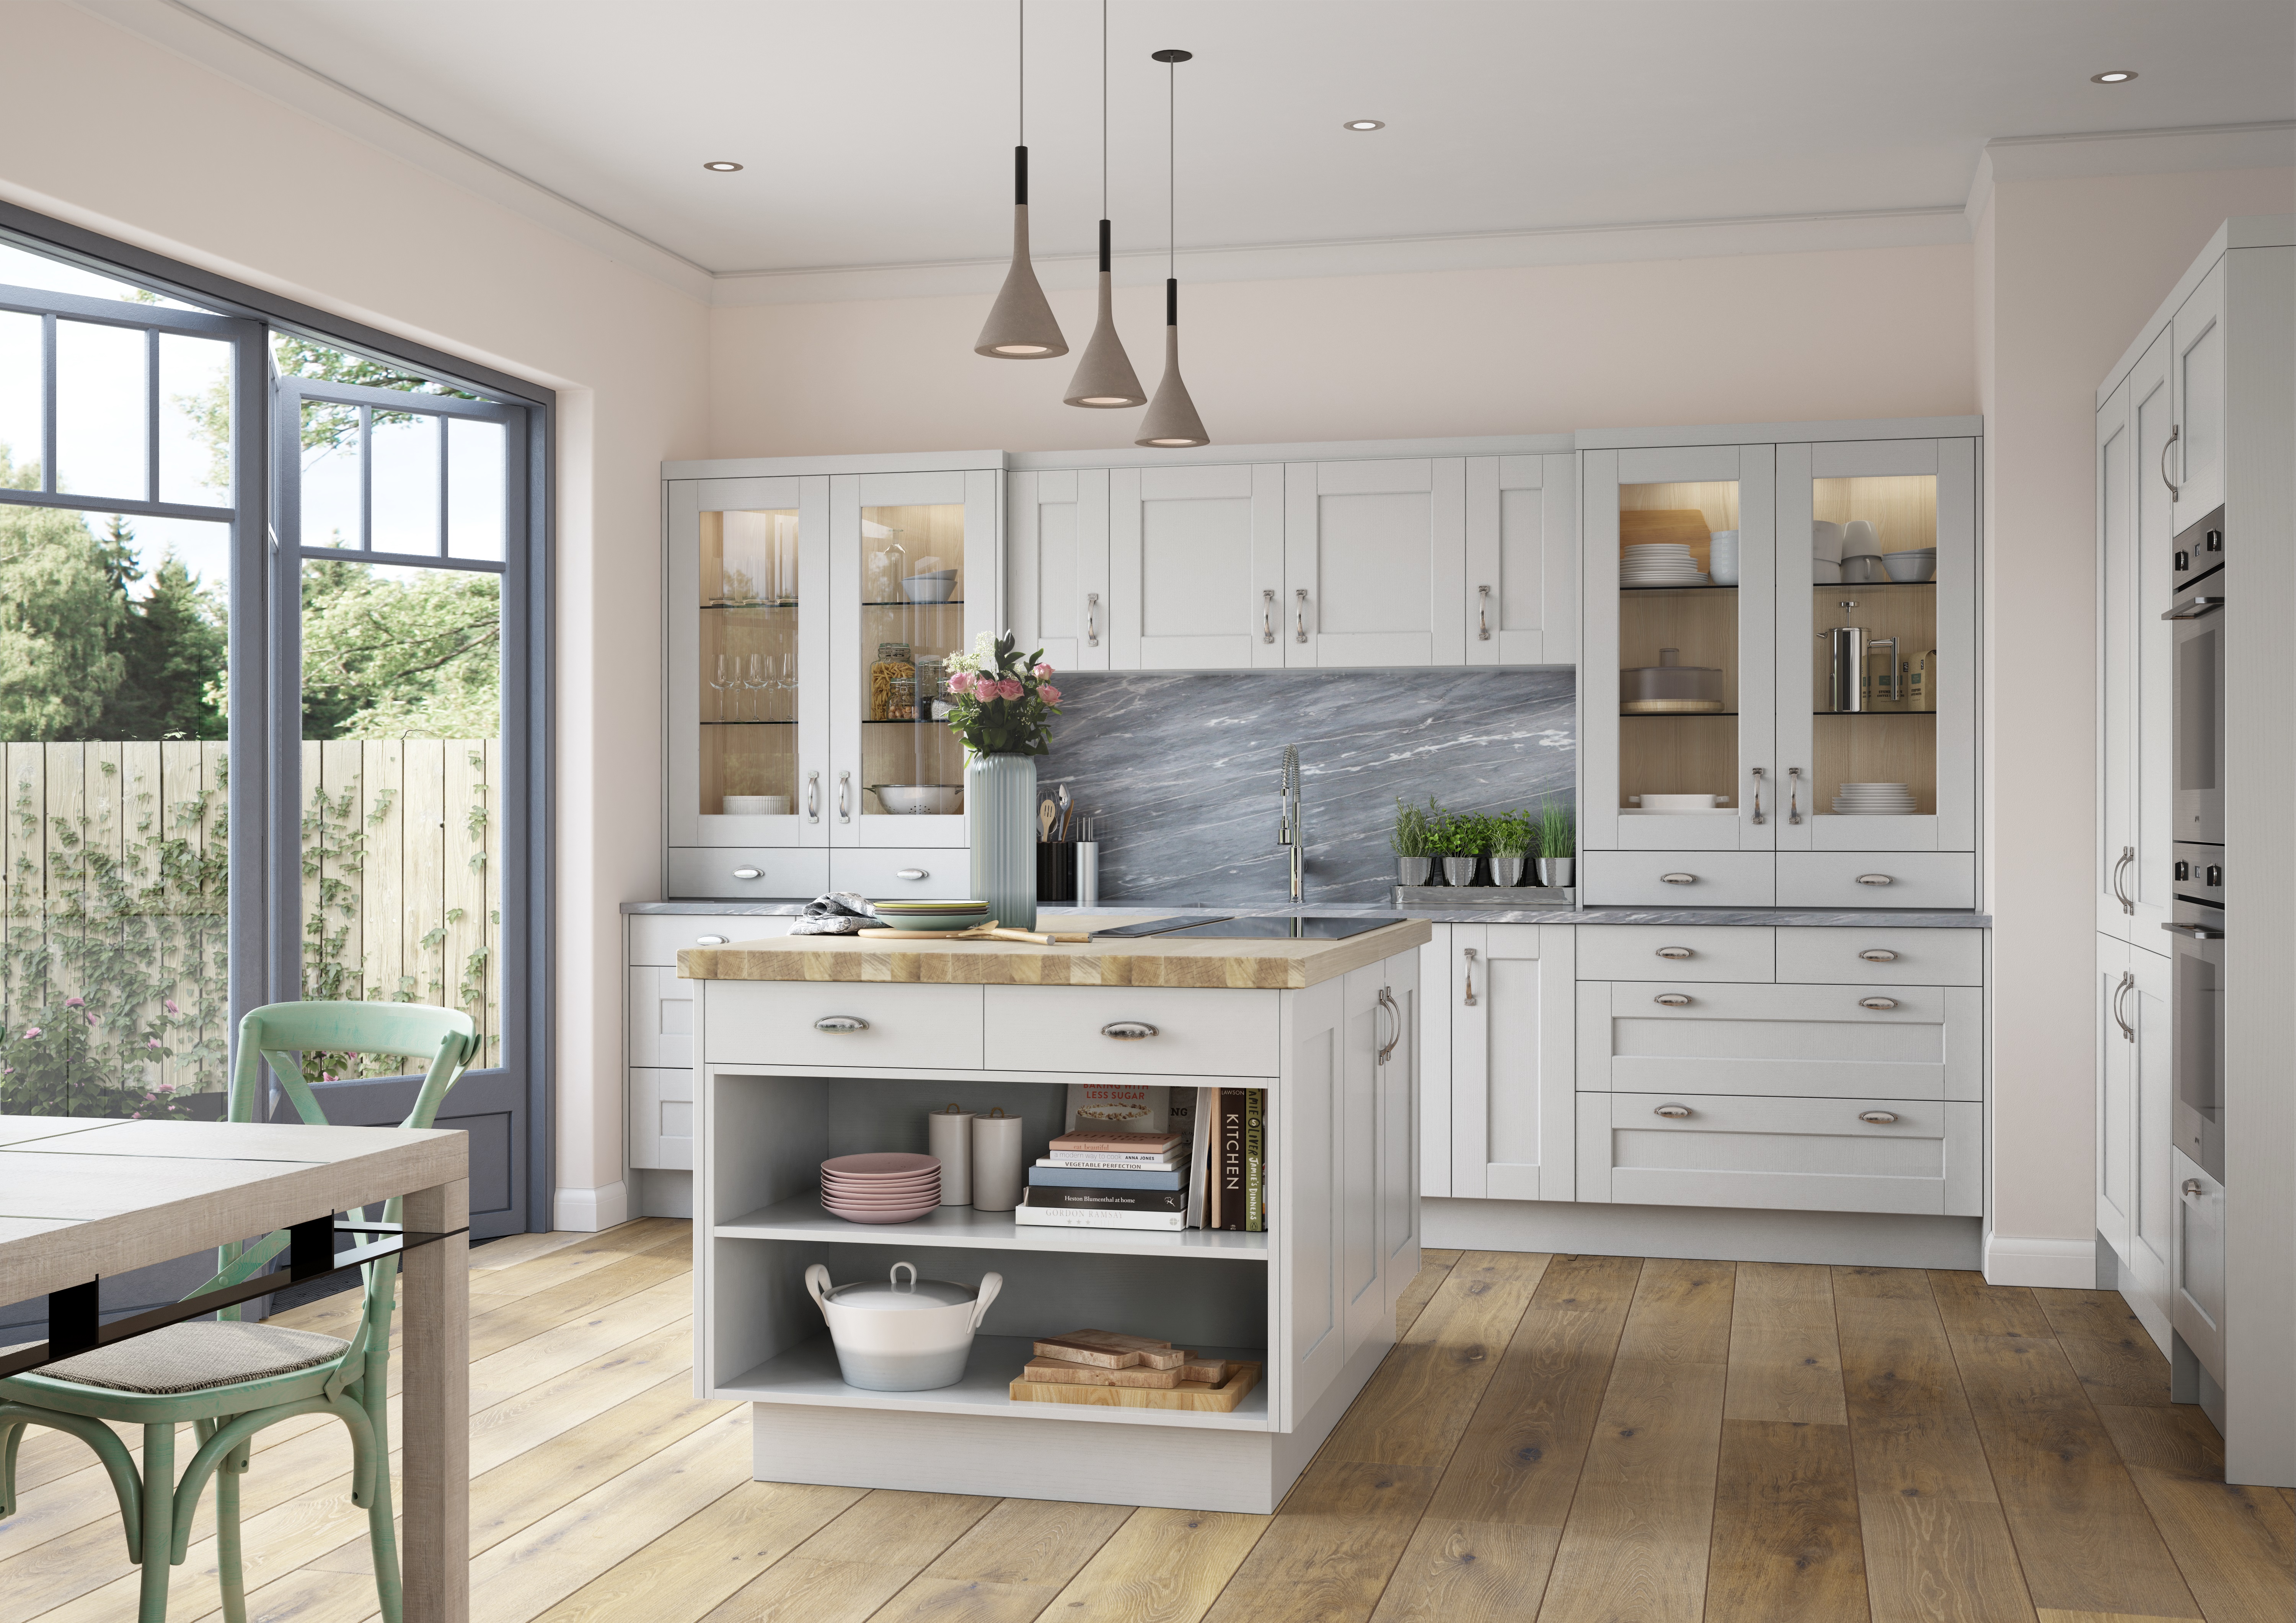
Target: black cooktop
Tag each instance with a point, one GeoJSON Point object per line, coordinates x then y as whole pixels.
{"type": "Point", "coordinates": [1326, 927]}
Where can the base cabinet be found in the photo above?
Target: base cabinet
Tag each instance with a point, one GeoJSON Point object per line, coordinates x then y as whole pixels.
{"type": "Point", "coordinates": [657, 1028]}
{"type": "Point", "coordinates": [1510, 1019]}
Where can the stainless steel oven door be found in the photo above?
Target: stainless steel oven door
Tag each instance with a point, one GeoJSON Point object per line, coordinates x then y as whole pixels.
{"type": "Point", "coordinates": [2196, 1021]}
{"type": "Point", "coordinates": [2199, 712]}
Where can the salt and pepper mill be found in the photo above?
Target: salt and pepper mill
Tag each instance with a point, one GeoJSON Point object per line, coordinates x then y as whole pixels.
{"type": "Point", "coordinates": [995, 1161]}
{"type": "Point", "coordinates": [949, 1141]}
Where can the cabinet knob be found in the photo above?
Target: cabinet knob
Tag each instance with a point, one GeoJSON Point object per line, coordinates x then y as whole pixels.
{"type": "Point", "coordinates": [708, 940]}
{"type": "Point", "coordinates": [1673, 1000]}
{"type": "Point", "coordinates": [1880, 1118]}
{"type": "Point", "coordinates": [1878, 954]}
{"type": "Point", "coordinates": [1675, 953]}
{"type": "Point", "coordinates": [1672, 1112]}
{"type": "Point", "coordinates": [840, 1022]}
{"type": "Point", "coordinates": [1127, 1030]}
{"type": "Point", "coordinates": [2193, 1190]}
{"type": "Point", "coordinates": [748, 874]}
{"type": "Point", "coordinates": [912, 873]}
{"type": "Point", "coordinates": [1873, 878]}
{"type": "Point", "coordinates": [1877, 1002]}
{"type": "Point", "coordinates": [1678, 879]}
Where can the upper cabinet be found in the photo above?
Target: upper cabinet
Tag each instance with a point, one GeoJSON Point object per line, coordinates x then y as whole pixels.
{"type": "Point", "coordinates": [2194, 465]}
{"type": "Point", "coordinates": [1347, 563]}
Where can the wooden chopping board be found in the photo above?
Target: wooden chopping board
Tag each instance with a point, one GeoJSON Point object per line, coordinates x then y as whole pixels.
{"type": "Point", "coordinates": [1220, 1399]}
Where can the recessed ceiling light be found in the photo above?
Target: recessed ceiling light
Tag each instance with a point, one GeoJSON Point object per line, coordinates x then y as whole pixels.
{"type": "Point", "coordinates": [1364, 124]}
{"type": "Point", "coordinates": [2116, 75]}
{"type": "Point", "coordinates": [721, 166]}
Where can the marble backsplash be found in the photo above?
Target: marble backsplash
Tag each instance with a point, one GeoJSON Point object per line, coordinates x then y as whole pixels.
{"type": "Point", "coordinates": [1181, 771]}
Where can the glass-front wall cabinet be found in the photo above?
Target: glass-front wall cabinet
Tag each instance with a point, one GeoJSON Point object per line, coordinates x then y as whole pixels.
{"type": "Point", "coordinates": [913, 601]}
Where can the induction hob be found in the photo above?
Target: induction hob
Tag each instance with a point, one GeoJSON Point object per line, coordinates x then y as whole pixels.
{"type": "Point", "coordinates": [1314, 927]}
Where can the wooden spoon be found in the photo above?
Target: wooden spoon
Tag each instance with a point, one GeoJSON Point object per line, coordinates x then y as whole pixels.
{"type": "Point", "coordinates": [1045, 812]}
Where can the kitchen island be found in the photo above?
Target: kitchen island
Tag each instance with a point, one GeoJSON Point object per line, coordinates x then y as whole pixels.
{"type": "Point", "coordinates": [815, 1046]}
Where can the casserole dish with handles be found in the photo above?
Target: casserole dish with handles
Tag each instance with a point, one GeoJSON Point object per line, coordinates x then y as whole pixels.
{"type": "Point", "coordinates": [898, 1336]}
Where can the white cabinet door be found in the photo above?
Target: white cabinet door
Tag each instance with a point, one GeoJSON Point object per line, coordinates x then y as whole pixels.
{"type": "Point", "coordinates": [660, 1017]}
{"type": "Point", "coordinates": [1432, 1032]}
{"type": "Point", "coordinates": [2116, 1109]}
{"type": "Point", "coordinates": [1374, 563]}
{"type": "Point", "coordinates": [1308, 1336]}
{"type": "Point", "coordinates": [1523, 560]}
{"type": "Point", "coordinates": [2117, 571]}
{"type": "Point", "coordinates": [1057, 565]}
{"type": "Point", "coordinates": [1196, 567]}
{"type": "Point", "coordinates": [1512, 1015]}
{"type": "Point", "coordinates": [662, 1119]}
{"type": "Point", "coordinates": [1363, 1300]}
{"type": "Point", "coordinates": [2152, 646]}
{"type": "Point", "coordinates": [2196, 463]}
{"type": "Point", "coordinates": [2152, 1207]}
{"type": "Point", "coordinates": [1399, 1085]}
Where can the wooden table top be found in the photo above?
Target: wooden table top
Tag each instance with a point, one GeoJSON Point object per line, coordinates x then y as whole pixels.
{"type": "Point", "coordinates": [83, 1198]}
{"type": "Point", "coordinates": [1150, 961]}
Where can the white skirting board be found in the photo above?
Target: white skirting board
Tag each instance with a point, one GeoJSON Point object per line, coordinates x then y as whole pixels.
{"type": "Point", "coordinates": [1078, 1462]}
{"type": "Point", "coordinates": [590, 1212]}
{"type": "Point", "coordinates": [1706, 1232]}
{"type": "Point", "coordinates": [2062, 1265]}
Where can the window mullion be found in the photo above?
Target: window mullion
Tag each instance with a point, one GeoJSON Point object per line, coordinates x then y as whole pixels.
{"type": "Point", "coordinates": [48, 403]}
{"type": "Point", "coordinates": [151, 414]}
{"type": "Point", "coordinates": [366, 478]}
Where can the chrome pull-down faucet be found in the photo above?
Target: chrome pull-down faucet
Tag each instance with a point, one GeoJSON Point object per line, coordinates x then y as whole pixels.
{"type": "Point", "coordinates": [1287, 829]}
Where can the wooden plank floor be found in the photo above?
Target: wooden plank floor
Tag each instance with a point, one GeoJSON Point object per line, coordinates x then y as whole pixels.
{"type": "Point", "coordinates": [1581, 1438]}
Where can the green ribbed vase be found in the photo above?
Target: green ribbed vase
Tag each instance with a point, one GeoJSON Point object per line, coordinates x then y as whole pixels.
{"type": "Point", "coordinates": [1000, 825]}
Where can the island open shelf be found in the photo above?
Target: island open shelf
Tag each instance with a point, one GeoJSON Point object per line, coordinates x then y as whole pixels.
{"type": "Point", "coordinates": [802, 1218]}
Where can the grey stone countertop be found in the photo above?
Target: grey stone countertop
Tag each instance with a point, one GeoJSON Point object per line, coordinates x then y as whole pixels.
{"type": "Point", "coordinates": [1871, 918]}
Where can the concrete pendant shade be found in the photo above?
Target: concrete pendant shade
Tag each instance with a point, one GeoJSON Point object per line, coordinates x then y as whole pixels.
{"type": "Point", "coordinates": [1104, 379]}
{"type": "Point", "coordinates": [1020, 326]}
{"type": "Point", "coordinates": [1171, 421]}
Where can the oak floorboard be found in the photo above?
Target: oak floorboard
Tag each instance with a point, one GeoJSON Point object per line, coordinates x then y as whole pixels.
{"type": "Point", "coordinates": [1785, 1363]}
{"type": "Point", "coordinates": [1415, 1406]}
{"type": "Point", "coordinates": [1468, 1572]}
{"type": "Point", "coordinates": [1007, 1567]}
{"type": "Point", "coordinates": [1328, 1554]}
{"type": "Point", "coordinates": [1937, 1545]}
{"type": "Point", "coordinates": [2107, 1346]}
{"type": "Point", "coordinates": [2235, 1546]}
{"type": "Point", "coordinates": [1418, 1293]}
{"type": "Point", "coordinates": [1786, 1545]}
{"type": "Point", "coordinates": [1162, 1566]}
{"type": "Point", "coordinates": [1637, 1542]}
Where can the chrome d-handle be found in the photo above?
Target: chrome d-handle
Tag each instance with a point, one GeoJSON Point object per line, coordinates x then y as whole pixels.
{"type": "Point", "coordinates": [813, 797]}
{"type": "Point", "coordinates": [2192, 1189]}
{"type": "Point", "coordinates": [1387, 1002]}
{"type": "Point", "coordinates": [2168, 446]}
{"type": "Point", "coordinates": [845, 797]}
{"type": "Point", "coordinates": [1268, 614]}
{"type": "Point", "coordinates": [1793, 795]}
{"type": "Point", "coordinates": [840, 1022]}
{"type": "Point", "coordinates": [2127, 856]}
{"type": "Point", "coordinates": [1469, 999]}
{"type": "Point", "coordinates": [1483, 615]}
{"type": "Point", "coordinates": [1758, 795]}
{"type": "Point", "coordinates": [1300, 593]}
{"type": "Point", "coordinates": [2119, 990]}
{"type": "Point", "coordinates": [1092, 620]}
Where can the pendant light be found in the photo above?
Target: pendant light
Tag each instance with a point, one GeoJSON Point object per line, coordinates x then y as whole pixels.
{"type": "Point", "coordinates": [1020, 326]}
{"type": "Point", "coordinates": [1104, 379]}
{"type": "Point", "coordinates": [1171, 420]}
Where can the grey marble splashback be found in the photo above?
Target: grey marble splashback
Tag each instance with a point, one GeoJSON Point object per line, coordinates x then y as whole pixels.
{"type": "Point", "coordinates": [1183, 769]}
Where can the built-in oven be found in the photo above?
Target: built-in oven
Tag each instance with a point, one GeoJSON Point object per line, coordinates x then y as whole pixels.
{"type": "Point", "coordinates": [2199, 613]}
{"type": "Point", "coordinates": [2196, 1007]}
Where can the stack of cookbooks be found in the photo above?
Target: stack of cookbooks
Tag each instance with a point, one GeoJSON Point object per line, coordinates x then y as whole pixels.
{"type": "Point", "coordinates": [1186, 1158]}
{"type": "Point", "coordinates": [1110, 1180]}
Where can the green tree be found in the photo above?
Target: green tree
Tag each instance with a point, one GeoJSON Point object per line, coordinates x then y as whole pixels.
{"type": "Point", "coordinates": [400, 654]}
{"type": "Point", "coordinates": [174, 684]}
{"type": "Point", "coordinates": [61, 616]}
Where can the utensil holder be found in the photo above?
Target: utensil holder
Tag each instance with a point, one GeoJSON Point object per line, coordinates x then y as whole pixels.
{"type": "Point", "coordinates": [1056, 872]}
{"type": "Point", "coordinates": [948, 1140]}
{"type": "Point", "coordinates": [1087, 873]}
{"type": "Point", "coordinates": [995, 1161]}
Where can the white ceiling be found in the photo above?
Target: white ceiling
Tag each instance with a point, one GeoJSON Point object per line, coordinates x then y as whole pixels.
{"type": "Point", "coordinates": [878, 132]}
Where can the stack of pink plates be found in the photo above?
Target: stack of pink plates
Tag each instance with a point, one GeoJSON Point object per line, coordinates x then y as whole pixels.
{"type": "Point", "coordinates": [887, 1187]}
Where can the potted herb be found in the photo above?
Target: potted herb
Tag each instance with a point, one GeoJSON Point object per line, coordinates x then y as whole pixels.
{"type": "Point", "coordinates": [1514, 841]}
{"type": "Point", "coordinates": [1461, 838]}
{"type": "Point", "coordinates": [1002, 703]}
{"type": "Point", "coordinates": [1558, 843]}
{"type": "Point", "coordinates": [1414, 841]}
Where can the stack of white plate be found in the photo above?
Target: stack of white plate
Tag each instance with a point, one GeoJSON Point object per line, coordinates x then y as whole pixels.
{"type": "Point", "coordinates": [1658, 563]}
{"type": "Point", "coordinates": [1874, 800]}
{"type": "Point", "coordinates": [887, 1187]}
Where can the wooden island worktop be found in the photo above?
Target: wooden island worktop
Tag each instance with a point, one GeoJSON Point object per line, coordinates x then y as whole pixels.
{"type": "Point", "coordinates": [1151, 961]}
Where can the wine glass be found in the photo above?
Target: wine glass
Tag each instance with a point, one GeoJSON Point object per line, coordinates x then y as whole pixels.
{"type": "Point", "coordinates": [788, 685]}
{"type": "Point", "coordinates": [721, 681]}
{"type": "Point", "coordinates": [756, 686]}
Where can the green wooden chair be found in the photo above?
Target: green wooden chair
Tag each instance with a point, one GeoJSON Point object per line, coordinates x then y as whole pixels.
{"type": "Point", "coordinates": [233, 1379]}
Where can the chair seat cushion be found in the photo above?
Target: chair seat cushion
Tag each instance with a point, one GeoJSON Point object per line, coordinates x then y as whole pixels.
{"type": "Point", "coordinates": [194, 1357]}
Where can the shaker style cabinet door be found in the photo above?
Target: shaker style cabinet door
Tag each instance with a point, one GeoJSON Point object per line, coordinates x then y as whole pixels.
{"type": "Point", "coordinates": [2152, 646]}
{"type": "Point", "coordinates": [2153, 1205]}
{"type": "Point", "coordinates": [1523, 560]}
{"type": "Point", "coordinates": [1195, 567]}
{"type": "Point", "coordinates": [1512, 1015]}
{"type": "Point", "coordinates": [2117, 579]}
{"type": "Point", "coordinates": [2195, 462]}
{"type": "Point", "coordinates": [2116, 1106]}
{"type": "Point", "coordinates": [1057, 565]}
{"type": "Point", "coordinates": [1374, 564]}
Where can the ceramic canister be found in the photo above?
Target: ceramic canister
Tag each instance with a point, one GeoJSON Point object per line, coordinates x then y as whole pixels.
{"type": "Point", "coordinates": [948, 1140]}
{"type": "Point", "coordinates": [995, 1161]}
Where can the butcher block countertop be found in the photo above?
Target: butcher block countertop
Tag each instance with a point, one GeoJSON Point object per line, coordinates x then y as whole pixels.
{"type": "Point", "coordinates": [1151, 961]}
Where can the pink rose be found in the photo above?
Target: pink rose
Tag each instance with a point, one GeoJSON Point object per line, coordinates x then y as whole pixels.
{"type": "Point", "coordinates": [170, 1003]}
{"type": "Point", "coordinates": [150, 1042]}
{"type": "Point", "coordinates": [1049, 693]}
{"type": "Point", "coordinates": [91, 1019]}
{"type": "Point", "coordinates": [75, 1002]}
{"type": "Point", "coordinates": [30, 1032]}
{"type": "Point", "coordinates": [1010, 688]}
{"type": "Point", "coordinates": [1042, 671]}
{"type": "Point", "coordinates": [961, 682]}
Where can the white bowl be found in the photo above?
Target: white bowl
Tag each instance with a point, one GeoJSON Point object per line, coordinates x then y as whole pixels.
{"type": "Point", "coordinates": [1906, 569]}
{"type": "Point", "coordinates": [929, 588]}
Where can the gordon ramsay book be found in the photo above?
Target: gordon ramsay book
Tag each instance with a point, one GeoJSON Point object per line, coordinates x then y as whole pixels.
{"type": "Point", "coordinates": [1083, 1198]}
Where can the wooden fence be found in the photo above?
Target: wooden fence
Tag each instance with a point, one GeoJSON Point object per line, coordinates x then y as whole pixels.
{"type": "Point", "coordinates": [401, 891]}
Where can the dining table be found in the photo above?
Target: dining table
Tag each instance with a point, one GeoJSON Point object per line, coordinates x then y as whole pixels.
{"type": "Point", "coordinates": [86, 1198]}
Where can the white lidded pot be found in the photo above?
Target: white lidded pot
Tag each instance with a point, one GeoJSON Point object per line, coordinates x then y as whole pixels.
{"type": "Point", "coordinates": [898, 1336]}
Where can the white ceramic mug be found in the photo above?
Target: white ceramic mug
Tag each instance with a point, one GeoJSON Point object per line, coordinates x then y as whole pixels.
{"type": "Point", "coordinates": [1826, 540]}
{"type": "Point", "coordinates": [949, 1141]}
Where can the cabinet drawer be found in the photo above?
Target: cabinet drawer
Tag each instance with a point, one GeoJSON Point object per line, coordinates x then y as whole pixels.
{"type": "Point", "coordinates": [1644, 952]}
{"type": "Point", "coordinates": [1811, 1041]}
{"type": "Point", "coordinates": [1703, 879]}
{"type": "Point", "coordinates": [662, 1119]}
{"type": "Point", "coordinates": [938, 872]}
{"type": "Point", "coordinates": [660, 1015]}
{"type": "Point", "coordinates": [1787, 1154]}
{"type": "Point", "coordinates": [703, 873]}
{"type": "Point", "coordinates": [655, 937]}
{"type": "Point", "coordinates": [773, 1022]}
{"type": "Point", "coordinates": [1916, 958]}
{"type": "Point", "coordinates": [1199, 1031]}
{"type": "Point", "coordinates": [1877, 879]}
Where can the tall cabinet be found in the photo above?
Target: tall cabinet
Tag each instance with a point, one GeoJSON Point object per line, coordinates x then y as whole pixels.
{"type": "Point", "coordinates": [1792, 693]}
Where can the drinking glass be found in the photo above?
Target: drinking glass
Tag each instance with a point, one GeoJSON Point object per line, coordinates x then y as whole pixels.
{"type": "Point", "coordinates": [721, 681]}
{"type": "Point", "coordinates": [756, 685]}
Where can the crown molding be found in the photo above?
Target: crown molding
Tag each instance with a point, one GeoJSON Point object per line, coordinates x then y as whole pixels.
{"type": "Point", "coordinates": [197, 37]}
{"type": "Point", "coordinates": [2080, 155]}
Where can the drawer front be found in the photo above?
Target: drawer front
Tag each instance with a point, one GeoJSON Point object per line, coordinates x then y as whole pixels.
{"type": "Point", "coordinates": [1883, 957]}
{"type": "Point", "coordinates": [700, 873]}
{"type": "Point", "coordinates": [660, 1016]}
{"type": "Point", "coordinates": [906, 1026]}
{"type": "Point", "coordinates": [1199, 1031]}
{"type": "Point", "coordinates": [940, 872]}
{"type": "Point", "coordinates": [655, 937]}
{"type": "Point", "coordinates": [1680, 879]}
{"type": "Point", "coordinates": [1783, 1154]}
{"type": "Point", "coordinates": [1877, 879]}
{"type": "Point", "coordinates": [662, 1119]}
{"type": "Point", "coordinates": [1809, 1041]}
{"type": "Point", "coordinates": [1644, 952]}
